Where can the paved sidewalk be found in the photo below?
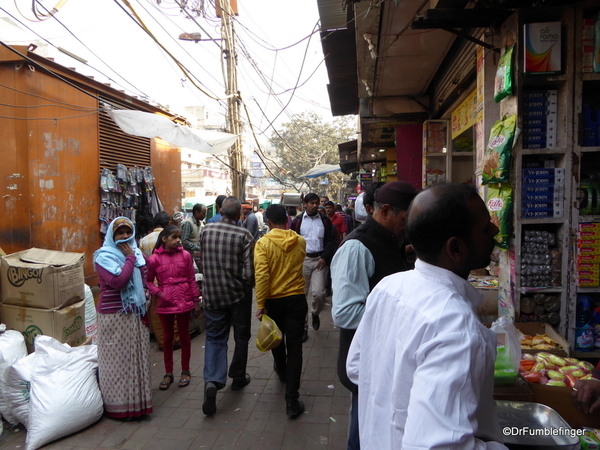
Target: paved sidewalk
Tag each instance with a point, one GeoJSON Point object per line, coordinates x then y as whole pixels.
{"type": "Point", "coordinates": [252, 418]}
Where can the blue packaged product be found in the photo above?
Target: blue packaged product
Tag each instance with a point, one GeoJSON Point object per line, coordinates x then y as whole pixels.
{"type": "Point", "coordinates": [539, 189]}
{"type": "Point", "coordinates": [537, 95]}
{"type": "Point", "coordinates": [546, 197]}
{"type": "Point", "coordinates": [538, 105]}
{"type": "Point", "coordinates": [536, 114]}
{"type": "Point", "coordinates": [534, 123]}
{"type": "Point", "coordinates": [527, 214]}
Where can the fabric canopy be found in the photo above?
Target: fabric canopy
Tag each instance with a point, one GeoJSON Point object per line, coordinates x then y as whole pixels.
{"type": "Point", "coordinates": [321, 169]}
{"type": "Point", "coordinates": [139, 123]}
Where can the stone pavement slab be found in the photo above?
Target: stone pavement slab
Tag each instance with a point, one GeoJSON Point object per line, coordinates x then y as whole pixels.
{"type": "Point", "coordinates": [251, 418]}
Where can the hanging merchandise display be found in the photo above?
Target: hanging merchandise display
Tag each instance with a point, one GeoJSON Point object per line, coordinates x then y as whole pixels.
{"type": "Point", "coordinates": [496, 161]}
{"type": "Point", "coordinates": [129, 193]}
{"type": "Point", "coordinates": [499, 204]}
{"type": "Point", "coordinates": [503, 85]}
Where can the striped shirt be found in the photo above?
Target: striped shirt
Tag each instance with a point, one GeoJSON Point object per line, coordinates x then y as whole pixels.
{"type": "Point", "coordinates": [226, 262]}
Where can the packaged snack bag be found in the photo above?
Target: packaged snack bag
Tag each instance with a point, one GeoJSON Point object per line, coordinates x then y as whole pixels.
{"type": "Point", "coordinates": [496, 160]}
{"type": "Point", "coordinates": [499, 204]}
{"type": "Point", "coordinates": [503, 86]}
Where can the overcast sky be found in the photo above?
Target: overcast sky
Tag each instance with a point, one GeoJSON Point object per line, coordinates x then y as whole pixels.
{"type": "Point", "coordinates": [127, 55]}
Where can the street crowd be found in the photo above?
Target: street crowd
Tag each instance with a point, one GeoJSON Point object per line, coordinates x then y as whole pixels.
{"type": "Point", "coordinates": [417, 362]}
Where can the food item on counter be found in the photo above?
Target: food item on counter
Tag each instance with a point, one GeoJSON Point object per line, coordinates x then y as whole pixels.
{"type": "Point", "coordinates": [587, 366]}
{"type": "Point", "coordinates": [554, 370]}
{"type": "Point", "coordinates": [539, 342]}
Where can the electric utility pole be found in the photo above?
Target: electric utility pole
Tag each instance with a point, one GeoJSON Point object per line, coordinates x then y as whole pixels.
{"type": "Point", "coordinates": [238, 175]}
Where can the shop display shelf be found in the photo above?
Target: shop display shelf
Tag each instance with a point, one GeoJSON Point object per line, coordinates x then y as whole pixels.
{"type": "Point", "coordinates": [589, 218]}
{"type": "Point", "coordinates": [590, 149]}
{"type": "Point", "coordinates": [588, 290]}
{"type": "Point", "coordinates": [590, 76]}
{"type": "Point", "coordinates": [535, 290]}
{"type": "Point", "coordinates": [558, 220]}
{"type": "Point", "coordinates": [543, 151]}
{"type": "Point", "coordinates": [579, 355]}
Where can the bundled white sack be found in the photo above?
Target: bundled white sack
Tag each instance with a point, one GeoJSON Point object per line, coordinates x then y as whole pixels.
{"type": "Point", "coordinates": [64, 394]}
{"type": "Point", "coordinates": [91, 320]}
{"type": "Point", "coordinates": [15, 388]}
{"type": "Point", "coordinates": [12, 348]}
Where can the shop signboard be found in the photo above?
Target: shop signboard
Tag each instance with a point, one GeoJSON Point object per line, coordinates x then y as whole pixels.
{"type": "Point", "coordinates": [465, 115]}
{"type": "Point", "coordinates": [542, 47]}
{"type": "Point", "coordinates": [365, 180]}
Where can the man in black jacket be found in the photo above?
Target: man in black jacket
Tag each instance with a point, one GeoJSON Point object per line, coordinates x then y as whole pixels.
{"type": "Point", "coordinates": [371, 252]}
{"type": "Point", "coordinates": [321, 243]}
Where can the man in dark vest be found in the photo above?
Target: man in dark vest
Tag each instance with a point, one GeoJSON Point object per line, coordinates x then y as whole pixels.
{"type": "Point", "coordinates": [371, 252]}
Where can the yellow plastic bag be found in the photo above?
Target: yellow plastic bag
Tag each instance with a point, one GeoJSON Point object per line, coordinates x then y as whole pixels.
{"type": "Point", "coordinates": [269, 335]}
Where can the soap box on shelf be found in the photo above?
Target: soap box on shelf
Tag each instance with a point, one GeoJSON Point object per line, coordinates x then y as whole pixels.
{"type": "Point", "coordinates": [39, 278]}
{"type": "Point", "coordinates": [590, 258]}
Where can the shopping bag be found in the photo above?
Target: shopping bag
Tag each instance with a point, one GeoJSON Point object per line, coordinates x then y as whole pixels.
{"type": "Point", "coordinates": [508, 351]}
{"type": "Point", "coordinates": [269, 335]}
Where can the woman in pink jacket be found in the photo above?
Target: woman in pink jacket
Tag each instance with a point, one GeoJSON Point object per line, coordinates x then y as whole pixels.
{"type": "Point", "coordinates": [177, 295]}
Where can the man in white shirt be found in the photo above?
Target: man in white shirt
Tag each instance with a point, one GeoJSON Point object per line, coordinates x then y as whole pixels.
{"type": "Point", "coordinates": [423, 362]}
{"type": "Point", "coordinates": [371, 252]}
{"type": "Point", "coordinates": [321, 243]}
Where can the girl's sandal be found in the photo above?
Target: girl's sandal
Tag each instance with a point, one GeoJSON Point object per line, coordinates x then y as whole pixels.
{"type": "Point", "coordinates": [164, 384]}
{"type": "Point", "coordinates": [183, 382]}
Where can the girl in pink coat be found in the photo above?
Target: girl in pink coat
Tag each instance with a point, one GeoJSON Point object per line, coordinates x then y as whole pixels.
{"type": "Point", "coordinates": [177, 295]}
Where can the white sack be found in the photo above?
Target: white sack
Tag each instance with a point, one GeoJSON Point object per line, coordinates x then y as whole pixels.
{"type": "Point", "coordinates": [15, 388]}
{"type": "Point", "coordinates": [91, 320]}
{"type": "Point", "coordinates": [12, 348]}
{"type": "Point", "coordinates": [64, 395]}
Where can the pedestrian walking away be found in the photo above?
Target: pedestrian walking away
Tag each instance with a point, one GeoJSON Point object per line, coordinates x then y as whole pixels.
{"type": "Point", "coordinates": [321, 243]}
{"type": "Point", "coordinates": [278, 260]}
{"type": "Point", "coordinates": [176, 296]}
{"type": "Point", "coordinates": [435, 388]}
{"type": "Point", "coordinates": [123, 337]}
{"type": "Point", "coordinates": [226, 260]}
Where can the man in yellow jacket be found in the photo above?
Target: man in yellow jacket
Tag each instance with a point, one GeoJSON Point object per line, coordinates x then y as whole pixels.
{"type": "Point", "coordinates": [278, 259]}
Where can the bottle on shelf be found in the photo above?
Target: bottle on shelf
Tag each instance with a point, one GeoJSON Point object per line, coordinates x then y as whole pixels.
{"type": "Point", "coordinates": [584, 331]}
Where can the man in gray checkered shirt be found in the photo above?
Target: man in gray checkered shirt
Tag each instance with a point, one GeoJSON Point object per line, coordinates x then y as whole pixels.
{"type": "Point", "coordinates": [227, 263]}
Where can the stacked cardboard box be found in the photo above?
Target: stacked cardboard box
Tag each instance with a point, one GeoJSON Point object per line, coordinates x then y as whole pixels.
{"type": "Point", "coordinates": [542, 193]}
{"type": "Point", "coordinates": [588, 255]}
{"type": "Point", "coordinates": [43, 293]}
{"type": "Point", "coordinates": [540, 109]}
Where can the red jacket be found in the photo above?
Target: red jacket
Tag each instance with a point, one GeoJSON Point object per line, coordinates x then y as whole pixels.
{"type": "Point", "coordinates": [177, 290]}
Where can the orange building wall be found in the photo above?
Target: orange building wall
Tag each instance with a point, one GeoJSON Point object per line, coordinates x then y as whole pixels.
{"type": "Point", "coordinates": [166, 167]}
{"type": "Point", "coordinates": [50, 168]}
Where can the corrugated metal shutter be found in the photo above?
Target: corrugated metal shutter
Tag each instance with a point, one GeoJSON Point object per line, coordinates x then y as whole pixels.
{"type": "Point", "coordinates": [457, 69]}
{"type": "Point", "coordinates": [117, 147]}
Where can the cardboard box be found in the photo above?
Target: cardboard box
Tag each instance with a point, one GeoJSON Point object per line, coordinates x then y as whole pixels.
{"type": "Point", "coordinates": [560, 400]}
{"type": "Point", "coordinates": [65, 324]}
{"type": "Point", "coordinates": [533, 328]}
{"type": "Point", "coordinates": [38, 278]}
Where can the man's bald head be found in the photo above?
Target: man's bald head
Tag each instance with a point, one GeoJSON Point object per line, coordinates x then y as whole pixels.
{"type": "Point", "coordinates": [437, 214]}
